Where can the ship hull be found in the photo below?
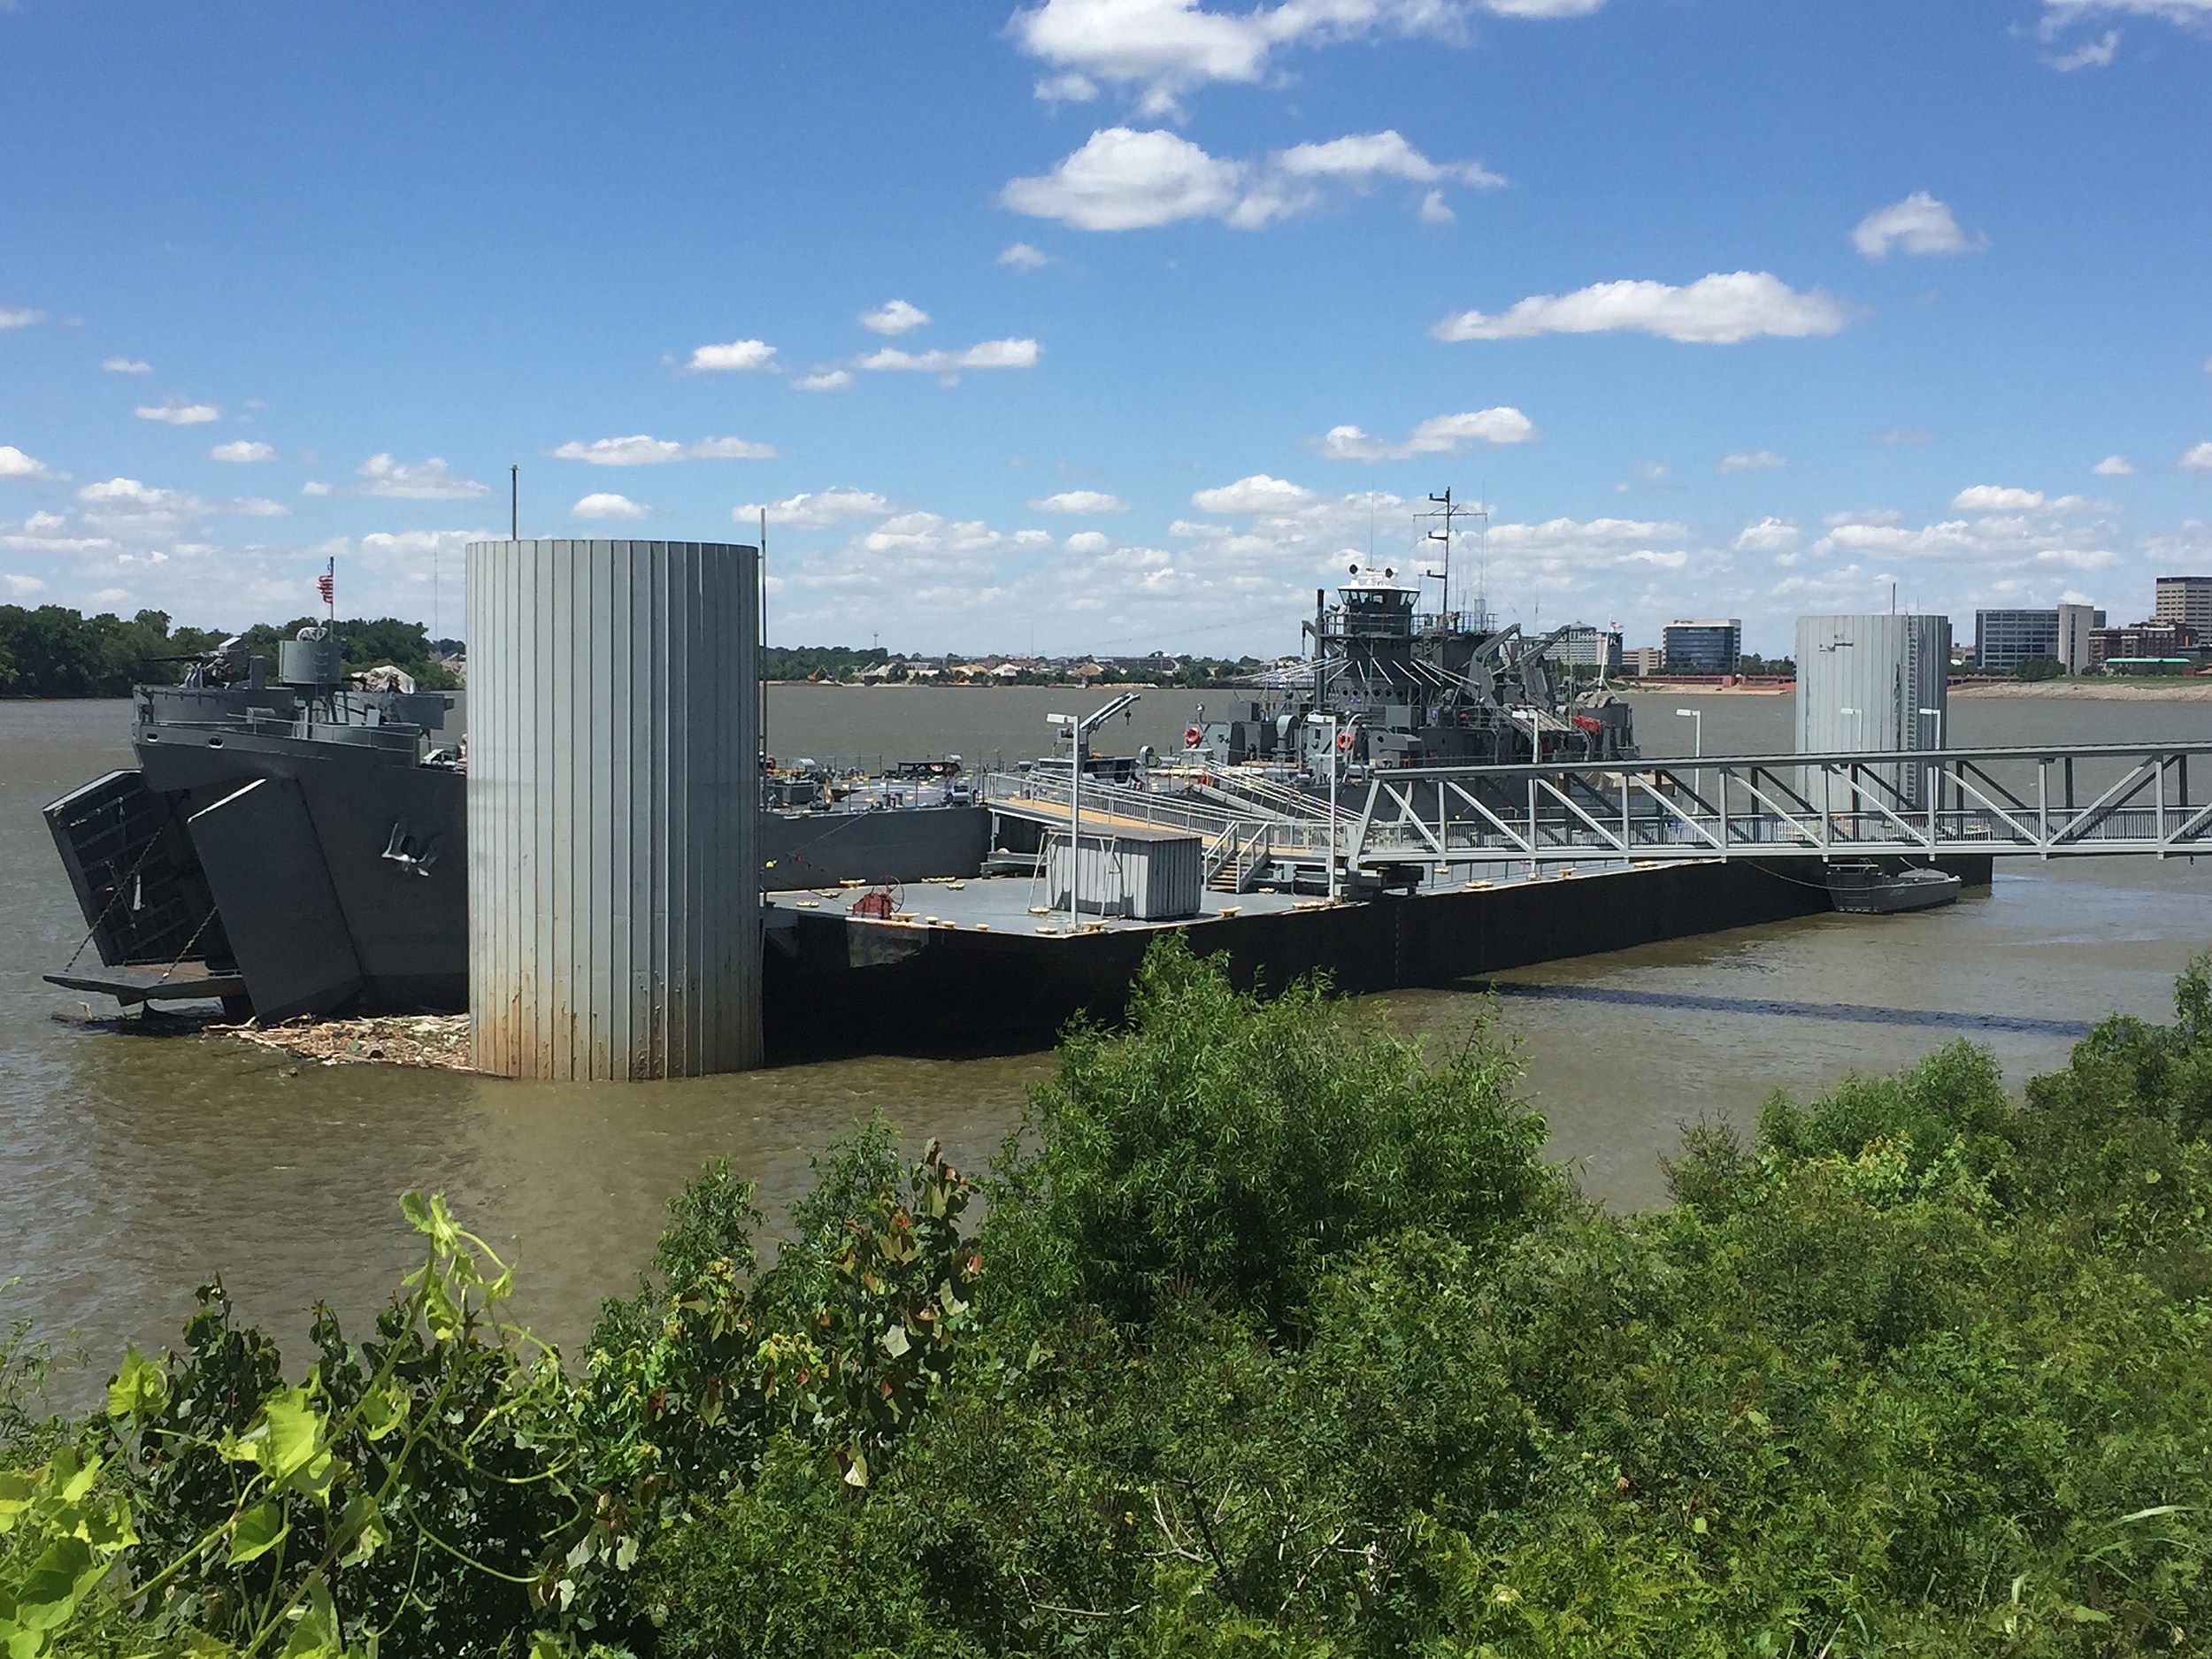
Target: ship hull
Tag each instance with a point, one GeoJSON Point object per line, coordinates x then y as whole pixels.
{"type": "Point", "coordinates": [331, 876]}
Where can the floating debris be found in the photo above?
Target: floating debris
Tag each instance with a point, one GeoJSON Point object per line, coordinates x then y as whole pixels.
{"type": "Point", "coordinates": [440, 1041]}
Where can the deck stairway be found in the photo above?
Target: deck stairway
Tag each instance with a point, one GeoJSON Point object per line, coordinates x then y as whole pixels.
{"type": "Point", "coordinates": [1239, 857]}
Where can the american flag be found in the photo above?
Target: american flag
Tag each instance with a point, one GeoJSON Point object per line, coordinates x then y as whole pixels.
{"type": "Point", "coordinates": [326, 584]}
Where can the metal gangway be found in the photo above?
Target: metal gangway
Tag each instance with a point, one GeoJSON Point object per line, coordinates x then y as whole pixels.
{"type": "Point", "coordinates": [2043, 802]}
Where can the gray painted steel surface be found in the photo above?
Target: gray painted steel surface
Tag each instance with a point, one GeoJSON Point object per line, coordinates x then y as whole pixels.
{"type": "Point", "coordinates": [1862, 681]}
{"type": "Point", "coordinates": [1147, 875]}
{"type": "Point", "coordinates": [268, 871]}
{"type": "Point", "coordinates": [816, 849]}
{"type": "Point", "coordinates": [613, 819]}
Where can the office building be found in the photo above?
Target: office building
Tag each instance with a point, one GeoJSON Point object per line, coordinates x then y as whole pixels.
{"type": "Point", "coordinates": [2186, 600]}
{"type": "Point", "coordinates": [1707, 646]}
{"type": "Point", "coordinates": [2078, 627]}
{"type": "Point", "coordinates": [2003, 639]}
{"type": "Point", "coordinates": [1587, 647]}
{"type": "Point", "coordinates": [1643, 661]}
{"type": "Point", "coordinates": [2143, 640]}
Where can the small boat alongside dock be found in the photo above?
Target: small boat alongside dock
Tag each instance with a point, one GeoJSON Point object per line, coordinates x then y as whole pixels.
{"type": "Point", "coordinates": [1867, 888]}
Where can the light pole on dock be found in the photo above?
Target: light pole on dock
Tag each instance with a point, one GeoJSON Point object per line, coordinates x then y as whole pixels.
{"type": "Point", "coordinates": [1934, 777]}
{"type": "Point", "coordinates": [1079, 728]}
{"type": "Point", "coordinates": [1696, 717]}
{"type": "Point", "coordinates": [1332, 722]}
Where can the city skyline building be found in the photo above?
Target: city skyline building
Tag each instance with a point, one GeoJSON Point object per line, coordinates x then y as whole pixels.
{"type": "Point", "coordinates": [1707, 645]}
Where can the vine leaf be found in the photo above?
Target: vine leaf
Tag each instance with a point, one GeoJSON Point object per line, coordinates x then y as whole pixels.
{"type": "Point", "coordinates": [259, 1530]}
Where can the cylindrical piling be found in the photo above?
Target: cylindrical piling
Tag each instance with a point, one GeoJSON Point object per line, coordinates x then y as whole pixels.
{"type": "Point", "coordinates": [613, 807]}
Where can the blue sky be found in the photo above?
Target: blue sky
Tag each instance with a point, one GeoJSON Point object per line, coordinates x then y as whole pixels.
{"type": "Point", "coordinates": [1112, 324]}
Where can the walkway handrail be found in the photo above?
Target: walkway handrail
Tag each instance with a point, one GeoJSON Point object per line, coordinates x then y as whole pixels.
{"type": "Point", "coordinates": [2135, 798]}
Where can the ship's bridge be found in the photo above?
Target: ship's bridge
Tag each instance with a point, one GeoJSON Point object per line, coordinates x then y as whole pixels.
{"type": "Point", "coordinates": [1370, 612]}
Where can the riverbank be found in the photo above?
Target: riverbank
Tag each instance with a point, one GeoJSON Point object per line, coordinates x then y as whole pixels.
{"type": "Point", "coordinates": [1702, 689]}
{"type": "Point", "coordinates": [2088, 690]}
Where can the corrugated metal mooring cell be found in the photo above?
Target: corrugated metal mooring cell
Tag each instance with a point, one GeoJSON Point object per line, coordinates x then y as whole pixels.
{"type": "Point", "coordinates": [1866, 683]}
{"type": "Point", "coordinates": [613, 819]}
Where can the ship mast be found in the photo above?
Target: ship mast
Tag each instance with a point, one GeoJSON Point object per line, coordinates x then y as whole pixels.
{"type": "Point", "coordinates": [1449, 513]}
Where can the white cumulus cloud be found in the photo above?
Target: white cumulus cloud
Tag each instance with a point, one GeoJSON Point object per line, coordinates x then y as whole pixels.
{"type": "Point", "coordinates": [893, 317]}
{"type": "Point", "coordinates": [2115, 467]}
{"type": "Point", "coordinates": [641, 449]}
{"type": "Point", "coordinates": [1160, 48]}
{"type": "Point", "coordinates": [1259, 493]}
{"type": "Point", "coordinates": [1088, 542]}
{"type": "Point", "coordinates": [19, 316]}
{"type": "Point", "coordinates": [817, 510]}
{"type": "Point", "coordinates": [823, 380]}
{"type": "Point", "coordinates": [1769, 535]}
{"type": "Point", "coordinates": [747, 355]}
{"type": "Point", "coordinates": [1125, 179]}
{"type": "Point", "coordinates": [2010, 529]}
{"type": "Point", "coordinates": [1717, 309]}
{"type": "Point", "coordinates": [2196, 458]}
{"type": "Point", "coordinates": [1364, 156]}
{"type": "Point", "coordinates": [1122, 180]}
{"type": "Point", "coordinates": [418, 480]}
{"type": "Point", "coordinates": [1439, 435]}
{"type": "Point", "coordinates": [2003, 498]}
{"type": "Point", "coordinates": [127, 366]}
{"type": "Point", "coordinates": [243, 449]}
{"type": "Point", "coordinates": [1081, 501]}
{"type": "Point", "coordinates": [607, 504]}
{"type": "Point", "coordinates": [1752, 461]}
{"type": "Point", "coordinates": [1021, 256]}
{"type": "Point", "coordinates": [15, 464]}
{"type": "Point", "coordinates": [1917, 225]}
{"type": "Point", "coordinates": [991, 354]}
{"type": "Point", "coordinates": [178, 414]}
{"type": "Point", "coordinates": [2089, 54]}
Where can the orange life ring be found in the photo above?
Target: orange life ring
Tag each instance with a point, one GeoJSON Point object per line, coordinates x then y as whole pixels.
{"type": "Point", "coordinates": [1344, 741]}
{"type": "Point", "coordinates": [1191, 734]}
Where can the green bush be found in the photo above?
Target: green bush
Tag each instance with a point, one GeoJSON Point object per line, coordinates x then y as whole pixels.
{"type": "Point", "coordinates": [1236, 1146]}
{"type": "Point", "coordinates": [1279, 1338]}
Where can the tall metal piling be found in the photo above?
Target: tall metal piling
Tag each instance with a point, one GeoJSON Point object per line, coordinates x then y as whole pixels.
{"type": "Point", "coordinates": [613, 807]}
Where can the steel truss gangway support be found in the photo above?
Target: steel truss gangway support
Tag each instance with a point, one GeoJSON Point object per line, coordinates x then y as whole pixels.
{"type": "Point", "coordinates": [2042, 803]}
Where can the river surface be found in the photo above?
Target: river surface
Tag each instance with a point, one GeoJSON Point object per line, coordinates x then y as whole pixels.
{"type": "Point", "coordinates": [133, 1166]}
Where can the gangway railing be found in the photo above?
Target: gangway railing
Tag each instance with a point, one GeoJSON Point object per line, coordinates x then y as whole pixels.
{"type": "Point", "coordinates": [1169, 808]}
{"type": "Point", "coordinates": [2052, 802]}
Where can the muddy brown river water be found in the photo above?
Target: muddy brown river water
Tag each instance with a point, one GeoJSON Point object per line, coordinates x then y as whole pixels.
{"type": "Point", "coordinates": [131, 1167]}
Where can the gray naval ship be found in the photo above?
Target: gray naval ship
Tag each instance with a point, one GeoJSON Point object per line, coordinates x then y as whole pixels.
{"type": "Point", "coordinates": [291, 844]}
{"type": "Point", "coordinates": [296, 844]}
{"type": "Point", "coordinates": [1395, 687]}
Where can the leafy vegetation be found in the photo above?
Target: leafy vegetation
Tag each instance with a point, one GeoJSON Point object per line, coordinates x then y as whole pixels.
{"type": "Point", "coordinates": [54, 652]}
{"type": "Point", "coordinates": [817, 662]}
{"type": "Point", "coordinates": [365, 642]}
{"type": "Point", "coordinates": [1278, 1336]}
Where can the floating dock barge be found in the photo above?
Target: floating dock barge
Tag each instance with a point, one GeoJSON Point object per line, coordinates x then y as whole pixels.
{"type": "Point", "coordinates": [968, 967]}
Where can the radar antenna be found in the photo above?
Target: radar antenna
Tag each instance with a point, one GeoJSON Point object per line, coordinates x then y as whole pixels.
{"type": "Point", "coordinates": [1450, 512]}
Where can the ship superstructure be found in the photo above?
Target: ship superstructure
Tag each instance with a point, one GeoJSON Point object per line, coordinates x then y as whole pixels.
{"type": "Point", "coordinates": [1391, 685]}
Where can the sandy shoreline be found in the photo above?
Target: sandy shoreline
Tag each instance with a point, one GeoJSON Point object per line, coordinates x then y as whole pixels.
{"type": "Point", "coordinates": [2077, 690]}
{"type": "Point", "coordinates": [2096, 691]}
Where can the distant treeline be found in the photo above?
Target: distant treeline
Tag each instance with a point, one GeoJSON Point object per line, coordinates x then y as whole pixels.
{"type": "Point", "coordinates": [846, 663]}
{"type": "Point", "coordinates": [817, 662]}
{"type": "Point", "coordinates": [52, 652]}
